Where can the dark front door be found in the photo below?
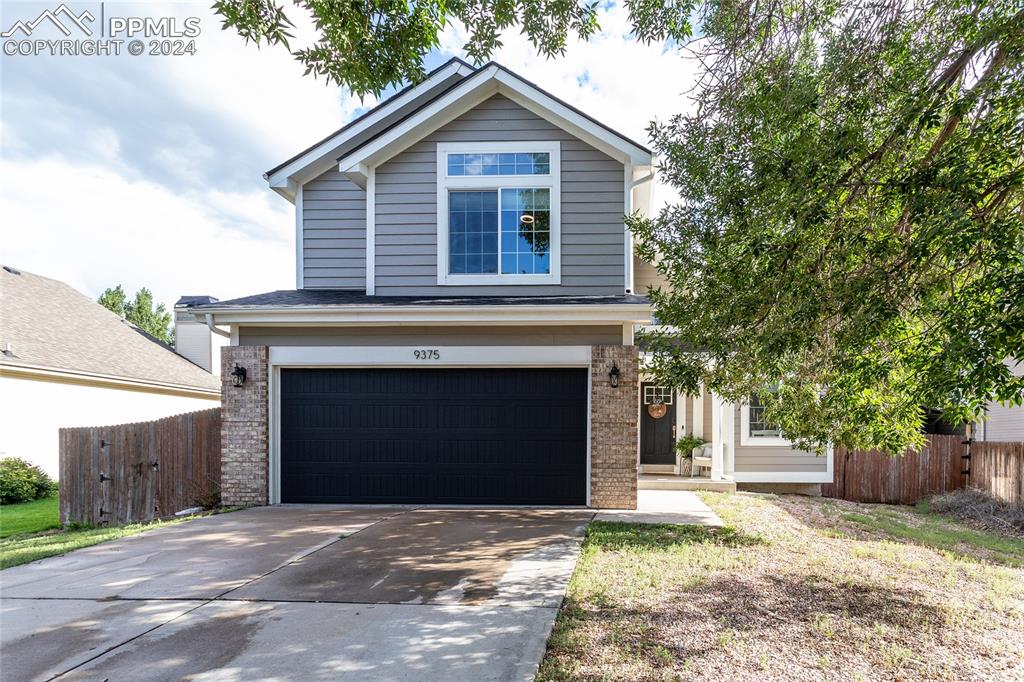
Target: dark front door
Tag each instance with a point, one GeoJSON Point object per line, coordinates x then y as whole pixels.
{"type": "Point", "coordinates": [449, 436]}
{"type": "Point", "coordinates": [657, 424]}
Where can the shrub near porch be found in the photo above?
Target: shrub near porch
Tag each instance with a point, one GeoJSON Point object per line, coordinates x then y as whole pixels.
{"type": "Point", "coordinates": [796, 589]}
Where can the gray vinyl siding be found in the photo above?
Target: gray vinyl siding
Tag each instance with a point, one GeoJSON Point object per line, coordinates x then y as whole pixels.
{"type": "Point", "coordinates": [333, 233]}
{"type": "Point", "coordinates": [569, 335]}
{"type": "Point", "coordinates": [593, 236]}
{"type": "Point", "coordinates": [756, 458]}
{"type": "Point", "coordinates": [774, 458]}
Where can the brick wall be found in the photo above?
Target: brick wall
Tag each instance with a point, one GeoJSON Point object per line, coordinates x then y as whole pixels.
{"type": "Point", "coordinates": [614, 424]}
{"type": "Point", "coordinates": [244, 453]}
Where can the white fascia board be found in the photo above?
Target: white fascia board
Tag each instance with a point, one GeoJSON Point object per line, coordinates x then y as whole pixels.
{"type": "Point", "coordinates": [430, 356]}
{"type": "Point", "coordinates": [579, 125]}
{"type": "Point", "coordinates": [322, 156]}
{"type": "Point", "coordinates": [475, 89]}
{"type": "Point", "coordinates": [439, 315]}
{"type": "Point", "coordinates": [44, 373]}
{"type": "Point", "coordinates": [460, 99]}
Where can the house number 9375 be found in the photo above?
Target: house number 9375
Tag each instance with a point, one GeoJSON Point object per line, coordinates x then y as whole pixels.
{"type": "Point", "coordinates": [427, 354]}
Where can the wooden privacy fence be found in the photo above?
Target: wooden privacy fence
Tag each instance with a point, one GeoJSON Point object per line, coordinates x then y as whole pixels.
{"type": "Point", "coordinates": [142, 471]}
{"type": "Point", "coordinates": [999, 469]}
{"type": "Point", "coordinates": [946, 463]}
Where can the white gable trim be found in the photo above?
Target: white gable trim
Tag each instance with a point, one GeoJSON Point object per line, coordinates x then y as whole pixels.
{"type": "Point", "coordinates": [474, 90]}
{"type": "Point", "coordinates": [282, 180]}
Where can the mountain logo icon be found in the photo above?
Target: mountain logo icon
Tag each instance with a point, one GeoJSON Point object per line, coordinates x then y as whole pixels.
{"type": "Point", "coordinates": [53, 16]}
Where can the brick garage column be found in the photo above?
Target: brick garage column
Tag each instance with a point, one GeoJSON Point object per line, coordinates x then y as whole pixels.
{"type": "Point", "coordinates": [614, 423]}
{"type": "Point", "coordinates": [244, 458]}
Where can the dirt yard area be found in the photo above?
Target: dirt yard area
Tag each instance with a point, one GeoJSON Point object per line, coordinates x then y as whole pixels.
{"type": "Point", "coordinates": [794, 588]}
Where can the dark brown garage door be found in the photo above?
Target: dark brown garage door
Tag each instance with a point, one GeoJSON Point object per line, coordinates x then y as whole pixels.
{"type": "Point", "coordinates": [444, 436]}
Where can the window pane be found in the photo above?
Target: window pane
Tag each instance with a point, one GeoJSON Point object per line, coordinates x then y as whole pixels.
{"type": "Point", "coordinates": [486, 163]}
{"type": "Point", "coordinates": [759, 428]}
{"type": "Point", "coordinates": [456, 164]}
{"type": "Point", "coordinates": [473, 232]}
{"type": "Point", "coordinates": [525, 231]}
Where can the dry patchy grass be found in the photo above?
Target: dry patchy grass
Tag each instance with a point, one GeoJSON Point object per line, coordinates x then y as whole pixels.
{"type": "Point", "coordinates": [797, 589]}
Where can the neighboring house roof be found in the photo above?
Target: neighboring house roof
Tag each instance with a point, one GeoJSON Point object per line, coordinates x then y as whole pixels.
{"type": "Point", "coordinates": [48, 326]}
{"type": "Point", "coordinates": [446, 93]}
{"type": "Point", "coordinates": [327, 298]}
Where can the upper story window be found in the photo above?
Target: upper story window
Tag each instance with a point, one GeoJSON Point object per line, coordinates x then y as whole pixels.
{"type": "Point", "coordinates": [498, 213]}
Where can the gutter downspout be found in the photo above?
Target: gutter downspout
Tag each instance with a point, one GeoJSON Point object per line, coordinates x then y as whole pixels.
{"type": "Point", "coordinates": [209, 323]}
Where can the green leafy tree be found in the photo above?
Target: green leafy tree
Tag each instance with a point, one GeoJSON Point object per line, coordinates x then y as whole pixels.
{"type": "Point", "coordinates": [155, 320]}
{"type": "Point", "coordinates": [849, 241]}
{"type": "Point", "coordinates": [369, 45]}
{"type": "Point", "coordinates": [850, 232]}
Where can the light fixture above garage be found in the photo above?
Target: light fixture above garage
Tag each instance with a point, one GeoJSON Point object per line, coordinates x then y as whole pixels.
{"type": "Point", "coordinates": [613, 376]}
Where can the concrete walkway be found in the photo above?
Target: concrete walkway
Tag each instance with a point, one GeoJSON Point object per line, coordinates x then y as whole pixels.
{"type": "Point", "coordinates": [666, 506]}
{"type": "Point", "coordinates": [298, 593]}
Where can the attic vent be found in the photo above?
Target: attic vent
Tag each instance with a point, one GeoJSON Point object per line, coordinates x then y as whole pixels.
{"type": "Point", "coordinates": [11, 270]}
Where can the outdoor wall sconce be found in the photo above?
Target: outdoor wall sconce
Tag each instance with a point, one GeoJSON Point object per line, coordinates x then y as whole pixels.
{"type": "Point", "coordinates": [238, 376]}
{"type": "Point", "coordinates": [613, 376]}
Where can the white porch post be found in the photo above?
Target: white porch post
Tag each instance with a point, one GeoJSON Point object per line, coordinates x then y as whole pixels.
{"type": "Point", "coordinates": [717, 456]}
{"type": "Point", "coordinates": [680, 407]}
{"type": "Point", "coordinates": [729, 440]}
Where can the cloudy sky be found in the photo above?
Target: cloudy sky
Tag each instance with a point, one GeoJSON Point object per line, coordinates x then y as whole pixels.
{"type": "Point", "coordinates": [147, 171]}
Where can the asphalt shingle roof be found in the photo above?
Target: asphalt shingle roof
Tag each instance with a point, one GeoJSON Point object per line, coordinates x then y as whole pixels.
{"type": "Point", "coordinates": [327, 298]}
{"type": "Point", "coordinates": [49, 324]}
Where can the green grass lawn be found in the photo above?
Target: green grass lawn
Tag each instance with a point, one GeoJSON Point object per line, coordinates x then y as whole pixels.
{"type": "Point", "coordinates": [29, 517]}
{"type": "Point", "coordinates": [31, 531]}
{"type": "Point", "coordinates": [21, 549]}
{"type": "Point", "coordinates": [793, 588]}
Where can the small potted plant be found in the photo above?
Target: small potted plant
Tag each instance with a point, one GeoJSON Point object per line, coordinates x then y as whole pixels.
{"type": "Point", "coordinates": [685, 447]}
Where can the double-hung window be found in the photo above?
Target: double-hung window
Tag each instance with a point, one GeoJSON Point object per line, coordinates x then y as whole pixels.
{"type": "Point", "coordinates": [498, 213]}
{"type": "Point", "coordinates": [755, 430]}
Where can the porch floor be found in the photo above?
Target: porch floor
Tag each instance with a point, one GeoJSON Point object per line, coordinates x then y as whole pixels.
{"type": "Point", "coordinates": [670, 482]}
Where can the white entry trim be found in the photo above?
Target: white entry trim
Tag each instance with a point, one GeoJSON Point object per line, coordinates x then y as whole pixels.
{"type": "Point", "coordinates": [406, 356]}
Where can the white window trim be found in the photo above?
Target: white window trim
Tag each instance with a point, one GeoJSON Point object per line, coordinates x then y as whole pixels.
{"type": "Point", "coordinates": [550, 181]}
{"type": "Point", "coordinates": [747, 440]}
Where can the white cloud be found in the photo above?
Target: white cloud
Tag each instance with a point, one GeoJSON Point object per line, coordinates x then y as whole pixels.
{"type": "Point", "coordinates": [122, 196]}
{"type": "Point", "coordinates": [92, 228]}
{"type": "Point", "coordinates": [617, 80]}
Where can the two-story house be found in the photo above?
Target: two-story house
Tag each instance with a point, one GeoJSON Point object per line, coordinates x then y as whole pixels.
{"type": "Point", "coordinates": [461, 331]}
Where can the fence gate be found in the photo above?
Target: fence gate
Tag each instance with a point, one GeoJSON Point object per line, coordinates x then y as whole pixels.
{"type": "Point", "coordinates": [137, 472]}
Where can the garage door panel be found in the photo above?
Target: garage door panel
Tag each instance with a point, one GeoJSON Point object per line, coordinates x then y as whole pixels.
{"type": "Point", "coordinates": [499, 436]}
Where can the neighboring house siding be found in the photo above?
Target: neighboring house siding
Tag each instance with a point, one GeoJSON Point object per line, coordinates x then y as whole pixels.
{"type": "Point", "coordinates": [1003, 423]}
{"type": "Point", "coordinates": [593, 236]}
{"type": "Point", "coordinates": [440, 336]}
{"type": "Point", "coordinates": [30, 423]}
{"type": "Point", "coordinates": [646, 276]}
{"type": "Point", "coordinates": [333, 233]}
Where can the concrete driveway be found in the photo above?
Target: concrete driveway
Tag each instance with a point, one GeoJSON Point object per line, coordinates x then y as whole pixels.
{"type": "Point", "coordinates": [291, 592]}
